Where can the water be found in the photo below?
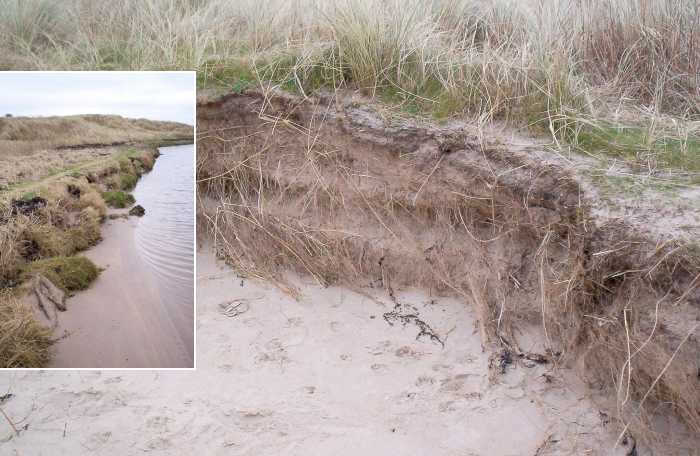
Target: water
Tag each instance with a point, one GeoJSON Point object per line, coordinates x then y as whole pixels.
{"type": "Point", "coordinates": [165, 235]}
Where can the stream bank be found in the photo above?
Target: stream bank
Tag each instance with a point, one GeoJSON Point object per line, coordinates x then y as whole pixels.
{"type": "Point", "coordinates": [139, 312]}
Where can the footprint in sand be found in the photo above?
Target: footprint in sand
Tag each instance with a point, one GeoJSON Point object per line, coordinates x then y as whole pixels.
{"type": "Point", "coordinates": [158, 423]}
{"type": "Point", "coordinates": [425, 380]}
{"type": "Point", "coordinates": [295, 322]}
{"type": "Point", "coordinates": [97, 440]}
{"type": "Point", "coordinates": [274, 353]}
{"type": "Point", "coordinates": [381, 348]}
{"type": "Point", "coordinates": [379, 368]}
{"type": "Point", "coordinates": [159, 443]}
{"type": "Point", "coordinates": [408, 352]}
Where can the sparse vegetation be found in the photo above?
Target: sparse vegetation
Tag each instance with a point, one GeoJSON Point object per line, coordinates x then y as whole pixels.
{"type": "Point", "coordinates": [76, 146]}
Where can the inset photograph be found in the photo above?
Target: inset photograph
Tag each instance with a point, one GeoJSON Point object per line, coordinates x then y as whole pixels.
{"type": "Point", "coordinates": [97, 219]}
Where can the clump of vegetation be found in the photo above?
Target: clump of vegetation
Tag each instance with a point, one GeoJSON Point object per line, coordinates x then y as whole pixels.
{"type": "Point", "coordinates": [118, 198]}
{"type": "Point", "coordinates": [147, 160]}
{"type": "Point", "coordinates": [86, 232]}
{"type": "Point", "coordinates": [632, 143]}
{"type": "Point", "coordinates": [68, 223]}
{"type": "Point", "coordinates": [68, 273]}
{"type": "Point", "coordinates": [128, 174]}
{"type": "Point", "coordinates": [128, 181]}
{"type": "Point", "coordinates": [44, 241]}
{"type": "Point", "coordinates": [23, 341]}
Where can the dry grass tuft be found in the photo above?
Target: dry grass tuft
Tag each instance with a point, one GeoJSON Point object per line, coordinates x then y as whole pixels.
{"type": "Point", "coordinates": [23, 341]}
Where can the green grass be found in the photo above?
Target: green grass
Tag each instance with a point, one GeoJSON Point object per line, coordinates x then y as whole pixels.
{"type": "Point", "coordinates": [636, 144]}
{"type": "Point", "coordinates": [27, 196]}
{"type": "Point", "coordinates": [118, 199]}
{"type": "Point", "coordinates": [233, 76]}
{"type": "Point", "coordinates": [127, 181]}
{"type": "Point", "coordinates": [68, 273]}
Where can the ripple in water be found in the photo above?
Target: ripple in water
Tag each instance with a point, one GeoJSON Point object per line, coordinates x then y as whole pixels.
{"type": "Point", "coordinates": [165, 235]}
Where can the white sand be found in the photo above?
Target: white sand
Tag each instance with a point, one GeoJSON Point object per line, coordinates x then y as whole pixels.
{"type": "Point", "coordinates": [316, 377]}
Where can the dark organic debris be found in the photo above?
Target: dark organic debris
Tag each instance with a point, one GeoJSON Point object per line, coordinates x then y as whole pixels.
{"type": "Point", "coordinates": [630, 444]}
{"type": "Point", "coordinates": [550, 440]}
{"type": "Point", "coordinates": [536, 358]}
{"type": "Point", "coordinates": [6, 397]}
{"type": "Point", "coordinates": [529, 359]}
{"type": "Point", "coordinates": [500, 361]}
{"type": "Point", "coordinates": [27, 206]}
{"type": "Point", "coordinates": [74, 190]}
{"type": "Point", "coordinates": [398, 314]}
{"type": "Point", "coordinates": [138, 211]}
{"type": "Point", "coordinates": [31, 250]}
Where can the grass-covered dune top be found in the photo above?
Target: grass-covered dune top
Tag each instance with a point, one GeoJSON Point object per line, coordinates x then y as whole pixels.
{"type": "Point", "coordinates": [35, 148]}
{"type": "Point", "coordinates": [23, 135]}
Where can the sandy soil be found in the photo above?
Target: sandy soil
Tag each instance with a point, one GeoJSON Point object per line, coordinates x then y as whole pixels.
{"type": "Point", "coordinates": [320, 376]}
{"type": "Point", "coordinates": [121, 320]}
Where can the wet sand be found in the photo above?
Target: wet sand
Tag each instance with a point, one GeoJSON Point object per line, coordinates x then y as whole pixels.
{"type": "Point", "coordinates": [318, 376]}
{"type": "Point", "coordinates": [121, 320]}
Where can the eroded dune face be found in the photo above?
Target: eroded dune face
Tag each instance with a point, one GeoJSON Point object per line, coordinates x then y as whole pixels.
{"type": "Point", "coordinates": [344, 196]}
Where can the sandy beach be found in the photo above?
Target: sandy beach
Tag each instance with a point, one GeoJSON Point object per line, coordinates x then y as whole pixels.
{"type": "Point", "coordinates": [323, 375]}
{"type": "Point", "coordinates": [121, 320]}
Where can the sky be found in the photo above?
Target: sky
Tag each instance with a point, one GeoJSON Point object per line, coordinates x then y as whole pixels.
{"type": "Point", "coordinates": [157, 95]}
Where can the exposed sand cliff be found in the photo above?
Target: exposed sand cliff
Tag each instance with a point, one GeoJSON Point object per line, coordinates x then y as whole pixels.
{"type": "Point", "coordinates": [333, 190]}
